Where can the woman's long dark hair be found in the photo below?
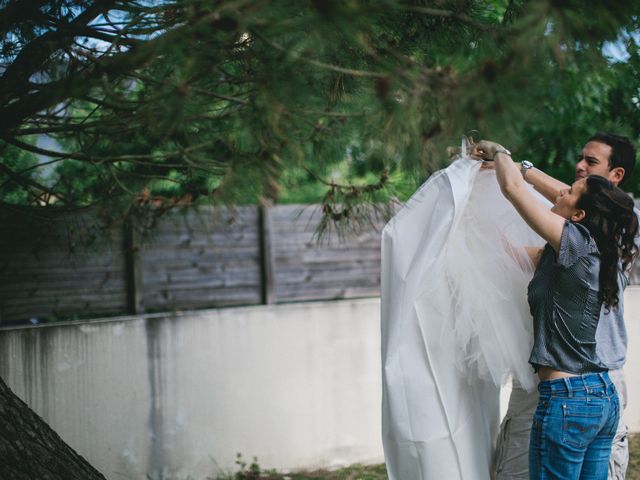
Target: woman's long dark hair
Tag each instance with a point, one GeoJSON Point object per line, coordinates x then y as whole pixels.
{"type": "Point", "coordinates": [613, 224]}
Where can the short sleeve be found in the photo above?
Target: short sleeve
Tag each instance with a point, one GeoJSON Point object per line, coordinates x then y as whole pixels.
{"type": "Point", "coordinates": [575, 242]}
{"type": "Point", "coordinates": [623, 279]}
{"type": "Point", "coordinates": [637, 239]}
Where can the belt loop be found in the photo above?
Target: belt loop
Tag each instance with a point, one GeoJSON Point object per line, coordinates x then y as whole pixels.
{"type": "Point", "coordinates": [605, 383]}
{"type": "Point", "coordinates": [568, 385]}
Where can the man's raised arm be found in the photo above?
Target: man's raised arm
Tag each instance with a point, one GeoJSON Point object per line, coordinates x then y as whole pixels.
{"type": "Point", "coordinates": [548, 186]}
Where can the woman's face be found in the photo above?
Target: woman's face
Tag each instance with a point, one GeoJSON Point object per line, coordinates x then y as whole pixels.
{"type": "Point", "coordinates": [565, 205]}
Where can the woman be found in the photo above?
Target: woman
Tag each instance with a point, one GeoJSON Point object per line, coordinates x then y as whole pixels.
{"type": "Point", "coordinates": [590, 241]}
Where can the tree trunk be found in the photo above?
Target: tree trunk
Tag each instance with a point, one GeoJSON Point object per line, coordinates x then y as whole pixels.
{"type": "Point", "coordinates": [30, 449]}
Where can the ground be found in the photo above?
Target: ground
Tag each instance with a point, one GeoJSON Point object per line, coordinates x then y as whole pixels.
{"type": "Point", "coordinates": [633, 473]}
{"type": "Point", "coordinates": [378, 472]}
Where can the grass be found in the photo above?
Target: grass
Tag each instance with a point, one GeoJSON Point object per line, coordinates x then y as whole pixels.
{"type": "Point", "coordinates": [633, 472]}
{"type": "Point", "coordinates": [378, 472]}
{"type": "Point", "coordinates": [354, 472]}
{"type": "Point", "coordinates": [252, 471]}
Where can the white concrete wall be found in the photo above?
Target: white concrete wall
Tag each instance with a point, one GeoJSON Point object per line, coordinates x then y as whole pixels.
{"type": "Point", "coordinates": [632, 367]}
{"type": "Point", "coordinates": [177, 396]}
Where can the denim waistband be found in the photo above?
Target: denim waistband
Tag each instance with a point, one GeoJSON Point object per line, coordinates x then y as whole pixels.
{"type": "Point", "coordinates": [577, 385]}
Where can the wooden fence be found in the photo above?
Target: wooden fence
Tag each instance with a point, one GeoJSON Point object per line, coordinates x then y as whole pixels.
{"type": "Point", "coordinates": [193, 258]}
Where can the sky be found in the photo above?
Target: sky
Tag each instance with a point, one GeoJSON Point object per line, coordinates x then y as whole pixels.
{"type": "Point", "coordinates": [617, 51]}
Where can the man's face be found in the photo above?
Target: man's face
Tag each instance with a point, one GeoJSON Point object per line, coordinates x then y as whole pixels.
{"type": "Point", "coordinates": [594, 160]}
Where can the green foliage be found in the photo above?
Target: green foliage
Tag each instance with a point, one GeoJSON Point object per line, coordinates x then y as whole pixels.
{"type": "Point", "coordinates": [345, 102]}
{"type": "Point", "coordinates": [580, 102]}
{"type": "Point", "coordinates": [18, 174]}
{"type": "Point", "coordinates": [250, 471]}
{"type": "Point", "coordinates": [253, 471]}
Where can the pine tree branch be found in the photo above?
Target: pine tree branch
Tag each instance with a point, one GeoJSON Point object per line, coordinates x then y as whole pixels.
{"type": "Point", "coordinates": [31, 57]}
{"type": "Point", "coordinates": [98, 160]}
{"type": "Point", "coordinates": [436, 12]}
{"type": "Point", "coordinates": [319, 64]}
{"type": "Point", "coordinates": [24, 182]}
{"type": "Point", "coordinates": [78, 83]}
{"type": "Point", "coordinates": [201, 91]}
{"type": "Point", "coordinates": [17, 12]}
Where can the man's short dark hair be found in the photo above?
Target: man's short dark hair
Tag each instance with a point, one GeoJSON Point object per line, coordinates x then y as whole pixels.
{"type": "Point", "coordinates": [623, 153]}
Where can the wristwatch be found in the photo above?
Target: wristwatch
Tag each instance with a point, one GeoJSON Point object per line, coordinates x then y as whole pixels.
{"type": "Point", "coordinates": [524, 166]}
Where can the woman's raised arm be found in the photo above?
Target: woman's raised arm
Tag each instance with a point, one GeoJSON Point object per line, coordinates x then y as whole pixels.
{"type": "Point", "coordinates": [543, 221]}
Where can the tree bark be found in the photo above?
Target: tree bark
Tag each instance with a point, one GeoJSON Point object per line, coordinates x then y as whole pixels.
{"type": "Point", "coordinates": [30, 449]}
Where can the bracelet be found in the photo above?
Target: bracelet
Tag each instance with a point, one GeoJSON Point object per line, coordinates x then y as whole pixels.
{"type": "Point", "coordinates": [500, 150]}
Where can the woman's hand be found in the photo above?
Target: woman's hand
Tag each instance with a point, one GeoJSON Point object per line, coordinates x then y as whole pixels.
{"type": "Point", "coordinates": [485, 150]}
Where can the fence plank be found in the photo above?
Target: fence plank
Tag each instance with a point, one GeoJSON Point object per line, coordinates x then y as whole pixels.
{"type": "Point", "coordinates": [334, 268]}
{"type": "Point", "coordinates": [133, 267]}
{"type": "Point", "coordinates": [203, 258]}
{"type": "Point", "coordinates": [49, 266]}
{"type": "Point", "coordinates": [267, 264]}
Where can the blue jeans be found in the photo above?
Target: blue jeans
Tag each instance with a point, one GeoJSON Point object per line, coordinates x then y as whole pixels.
{"type": "Point", "coordinates": [573, 428]}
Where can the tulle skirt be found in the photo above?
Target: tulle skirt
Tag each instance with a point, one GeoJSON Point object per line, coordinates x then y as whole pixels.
{"type": "Point", "coordinates": [455, 323]}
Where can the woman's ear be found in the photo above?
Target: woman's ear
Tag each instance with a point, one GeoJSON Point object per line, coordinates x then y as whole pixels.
{"type": "Point", "coordinates": [578, 215]}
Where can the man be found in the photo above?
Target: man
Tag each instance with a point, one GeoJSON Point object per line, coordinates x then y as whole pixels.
{"type": "Point", "coordinates": [613, 157]}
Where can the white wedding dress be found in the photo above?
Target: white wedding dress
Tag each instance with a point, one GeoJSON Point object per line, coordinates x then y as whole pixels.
{"type": "Point", "coordinates": [455, 323]}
